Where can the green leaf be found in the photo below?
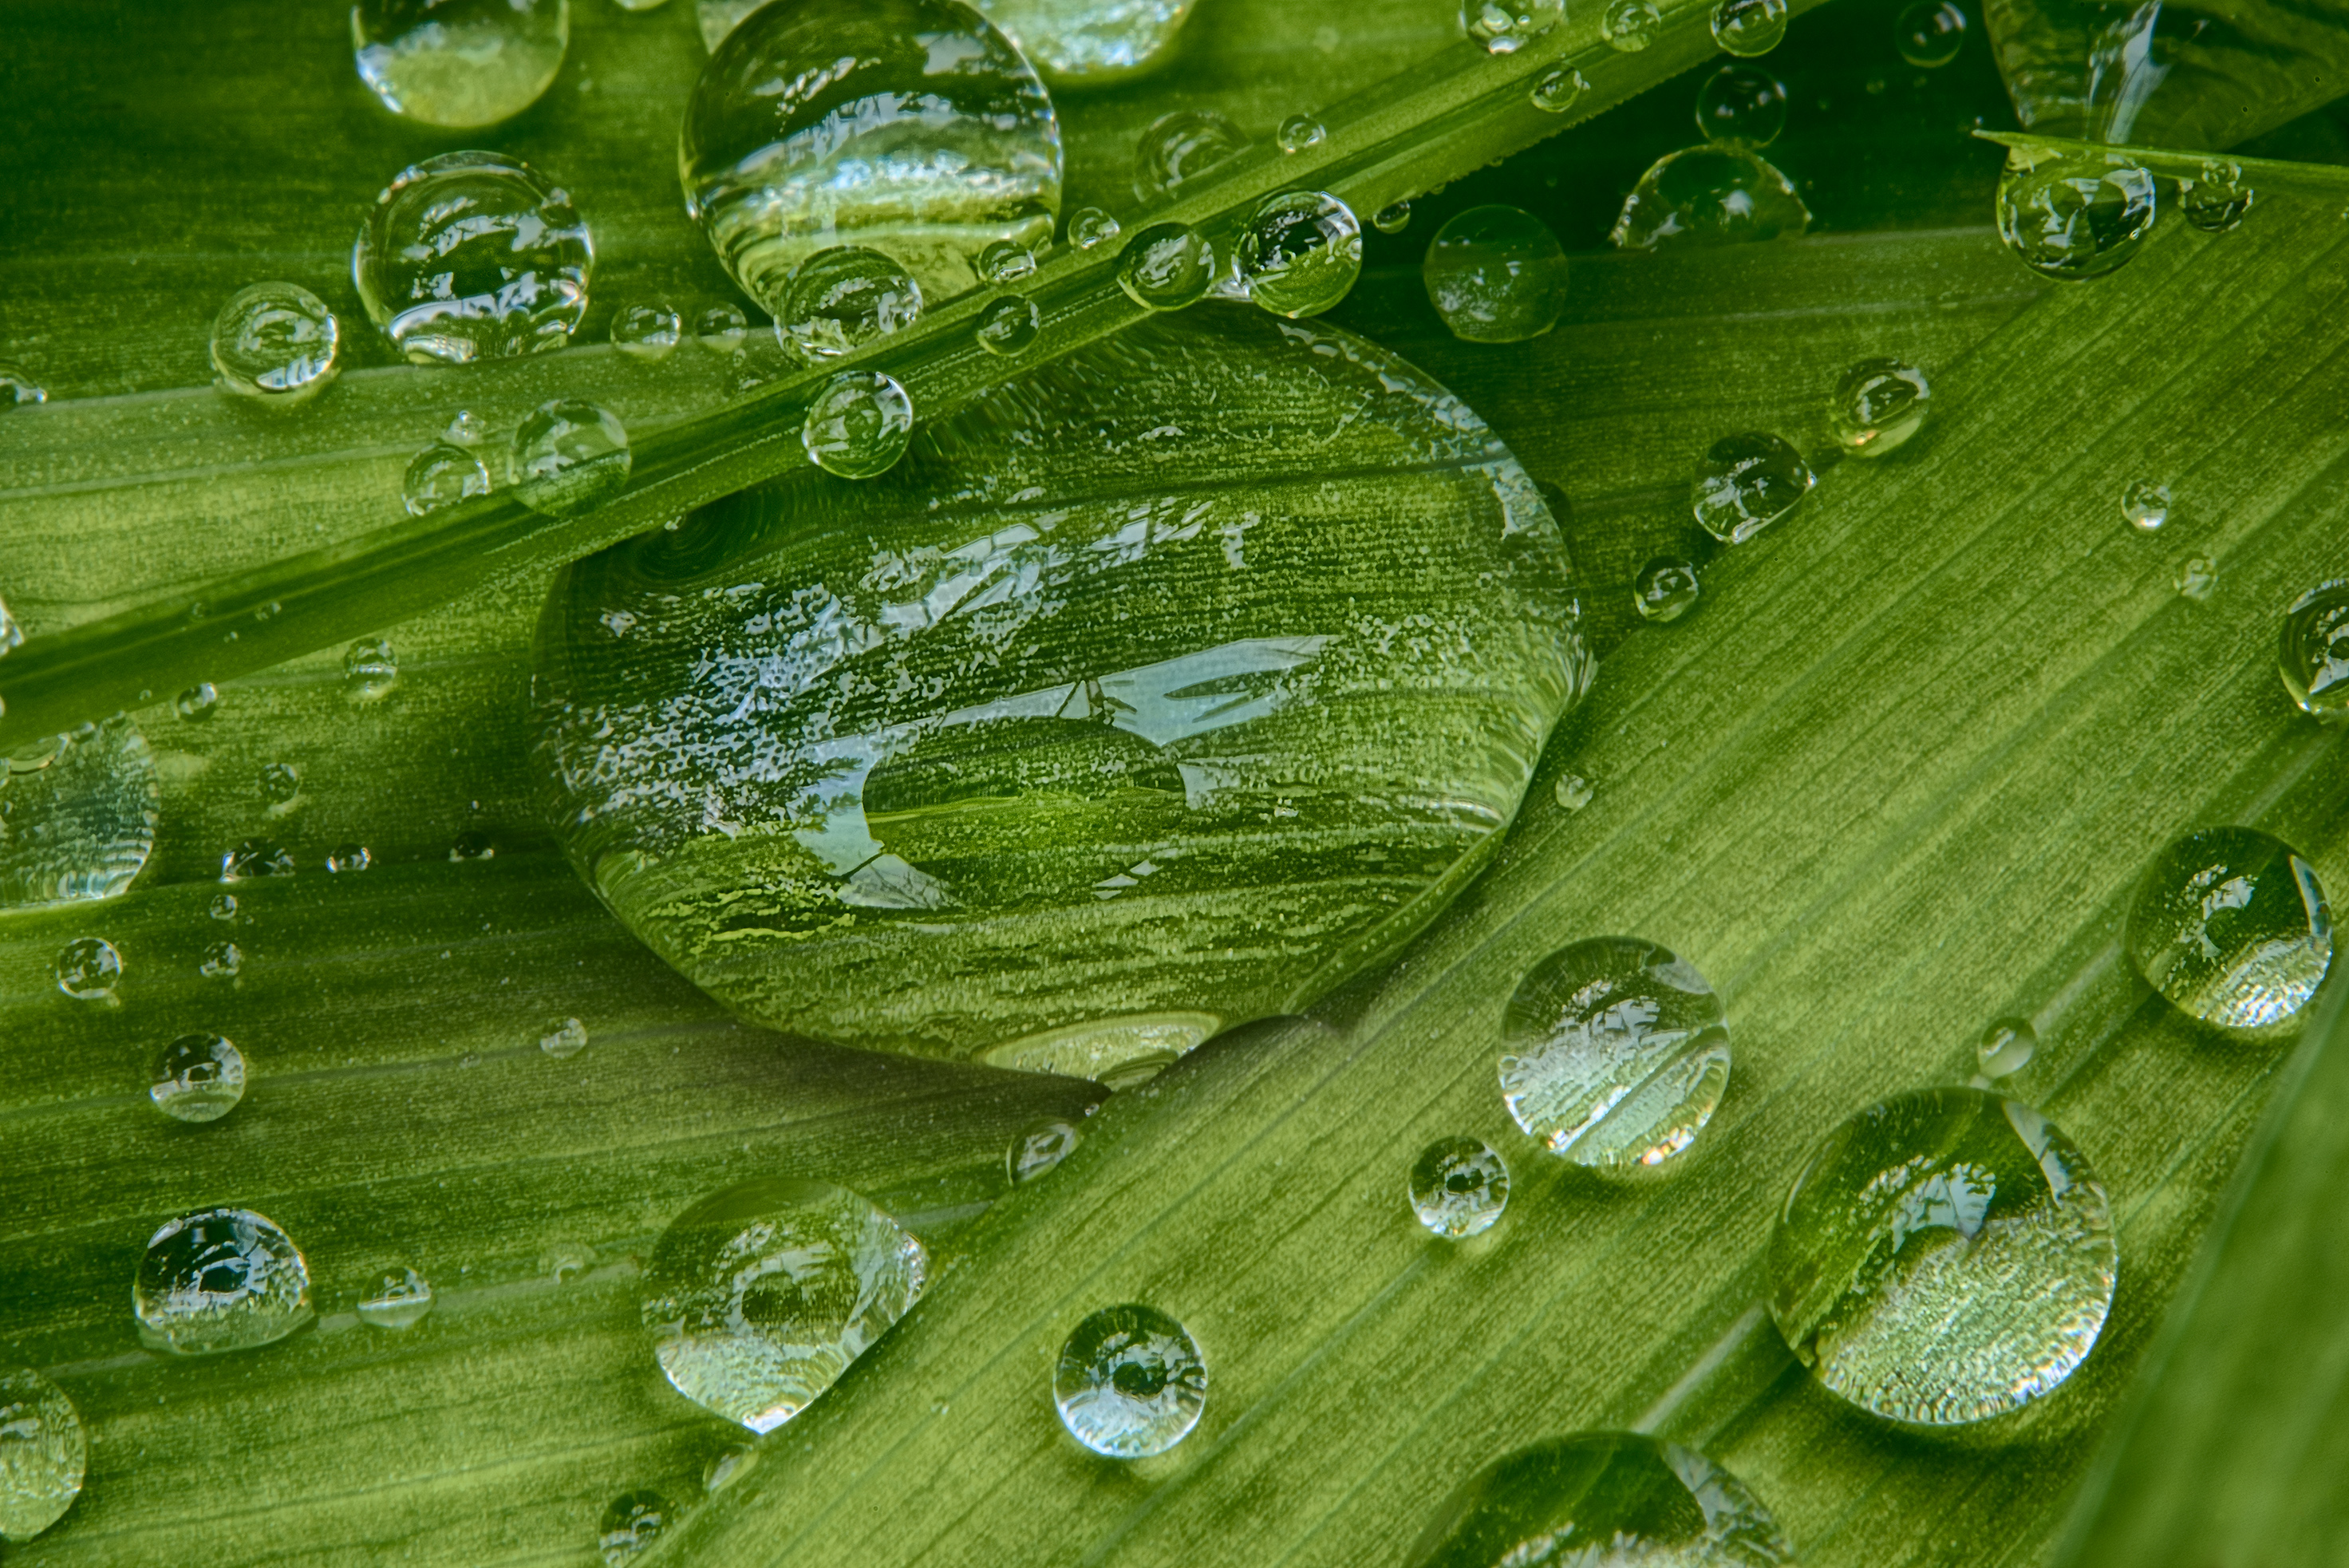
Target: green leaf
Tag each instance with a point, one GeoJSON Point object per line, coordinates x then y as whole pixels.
{"type": "Point", "coordinates": [2276, 176]}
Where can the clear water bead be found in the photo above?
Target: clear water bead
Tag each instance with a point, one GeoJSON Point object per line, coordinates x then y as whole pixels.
{"type": "Point", "coordinates": [19, 390]}
{"type": "Point", "coordinates": [1877, 406]}
{"type": "Point", "coordinates": [87, 969]}
{"type": "Point", "coordinates": [1004, 264]}
{"type": "Point", "coordinates": [2071, 218]}
{"type": "Point", "coordinates": [221, 960]}
{"type": "Point", "coordinates": [1665, 589]}
{"type": "Point", "coordinates": [1181, 147]}
{"type": "Point", "coordinates": [472, 844]}
{"type": "Point", "coordinates": [404, 1301]}
{"type": "Point", "coordinates": [2312, 655]}
{"type": "Point", "coordinates": [2197, 577]}
{"type": "Point", "coordinates": [12, 635]}
{"type": "Point", "coordinates": [1039, 1147]}
{"type": "Point", "coordinates": [2217, 199]}
{"type": "Point", "coordinates": [1087, 42]}
{"type": "Point", "coordinates": [1008, 326]}
{"type": "Point", "coordinates": [350, 857]}
{"type": "Point", "coordinates": [1458, 1188]}
{"type": "Point", "coordinates": [459, 63]}
{"type": "Point", "coordinates": [1495, 275]}
{"type": "Point", "coordinates": [633, 1521]}
{"type": "Point", "coordinates": [281, 783]}
{"type": "Point", "coordinates": [1391, 219]}
{"type": "Point", "coordinates": [1614, 1053]}
{"type": "Point", "coordinates": [219, 1280]}
{"type": "Point", "coordinates": [442, 474]}
{"type": "Point", "coordinates": [1557, 89]}
{"type": "Point", "coordinates": [859, 424]}
{"type": "Point", "coordinates": [1299, 132]}
{"type": "Point", "coordinates": [2145, 504]}
{"type": "Point", "coordinates": [563, 1037]}
{"type": "Point", "coordinates": [44, 1453]}
{"type": "Point", "coordinates": [222, 907]}
{"type": "Point", "coordinates": [198, 702]}
{"type": "Point", "coordinates": [79, 811]}
{"type": "Point", "coordinates": [198, 1078]}
{"type": "Point", "coordinates": [1742, 106]}
{"type": "Point", "coordinates": [1709, 195]}
{"type": "Point", "coordinates": [842, 298]}
{"type": "Point", "coordinates": [1749, 27]}
{"type": "Point", "coordinates": [276, 343]}
{"type": "Point", "coordinates": [1946, 1256]}
{"type": "Point", "coordinates": [473, 255]}
{"type": "Point", "coordinates": [1745, 483]}
{"type": "Point", "coordinates": [1504, 26]}
{"type": "Point", "coordinates": [1930, 32]}
{"type": "Point", "coordinates": [370, 669]}
{"type": "Point", "coordinates": [1301, 252]}
{"type": "Point", "coordinates": [256, 857]}
{"type": "Point", "coordinates": [1166, 266]}
{"type": "Point", "coordinates": [2007, 1047]}
{"type": "Point", "coordinates": [1632, 24]}
{"type": "Point", "coordinates": [1090, 228]}
{"type": "Point", "coordinates": [649, 329]}
{"type": "Point", "coordinates": [1573, 791]}
{"type": "Point", "coordinates": [568, 458]}
{"type": "Point", "coordinates": [721, 328]}
{"type": "Point", "coordinates": [912, 128]}
{"type": "Point", "coordinates": [2231, 926]}
{"type": "Point", "coordinates": [465, 427]}
{"type": "Point", "coordinates": [1131, 1382]}
{"type": "Point", "coordinates": [759, 1297]}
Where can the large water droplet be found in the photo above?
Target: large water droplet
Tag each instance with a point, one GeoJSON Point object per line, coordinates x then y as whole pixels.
{"type": "Point", "coordinates": [1459, 1187]}
{"type": "Point", "coordinates": [405, 1301]}
{"type": "Point", "coordinates": [2007, 1047]}
{"type": "Point", "coordinates": [1745, 483]}
{"type": "Point", "coordinates": [1008, 325]}
{"type": "Point", "coordinates": [198, 1078]}
{"type": "Point", "coordinates": [1614, 1053]}
{"type": "Point", "coordinates": [1131, 1382]}
{"type": "Point", "coordinates": [220, 1279]}
{"type": "Point", "coordinates": [1709, 195]}
{"type": "Point", "coordinates": [759, 1297]}
{"type": "Point", "coordinates": [1632, 24]}
{"type": "Point", "coordinates": [1877, 406]}
{"type": "Point", "coordinates": [1603, 1499]}
{"type": "Point", "coordinates": [2313, 654]}
{"type": "Point", "coordinates": [1181, 147]}
{"type": "Point", "coordinates": [1504, 26]}
{"type": "Point", "coordinates": [1946, 1256]}
{"type": "Point", "coordinates": [2217, 199]}
{"type": "Point", "coordinates": [633, 1521]}
{"type": "Point", "coordinates": [909, 127]}
{"type": "Point", "coordinates": [1495, 275]}
{"type": "Point", "coordinates": [648, 330]}
{"type": "Point", "coordinates": [568, 458]}
{"type": "Point", "coordinates": [1166, 266]}
{"type": "Point", "coordinates": [2232, 928]}
{"type": "Point", "coordinates": [1749, 27]}
{"type": "Point", "coordinates": [87, 969]}
{"type": "Point", "coordinates": [2071, 218]}
{"type": "Point", "coordinates": [78, 816]}
{"type": "Point", "coordinates": [1666, 589]}
{"type": "Point", "coordinates": [1089, 227]}
{"type": "Point", "coordinates": [1085, 42]}
{"type": "Point", "coordinates": [2145, 504]}
{"type": "Point", "coordinates": [473, 255]}
{"type": "Point", "coordinates": [842, 298]}
{"type": "Point", "coordinates": [442, 474]}
{"type": "Point", "coordinates": [1930, 32]}
{"type": "Point", "coordinates": [859, 424]}
{"type": "Point", "coordinates": [276, 343]}
{"type": "Point", "coordinates": [44, 1453]}
{"type": "Point", "coordinates": [19, 390]}
{"type": "Point", "coordinates": [1004, 264]}
{"type": "Point", "coordinates": [1301, 252]}
{"type": "Point", "coordinates": [1040, 1148]}
{"type": "Point", "coordinates": [1742, 106]}
{"type": "Point", "coordinates": [256, 857]}
{"type": "Point", "coordinates": [459, 63]}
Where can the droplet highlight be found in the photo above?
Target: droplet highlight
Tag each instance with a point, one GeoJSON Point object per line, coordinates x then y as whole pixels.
{"type": "Point", "coordinates": [1299, 132]}
{"type": "Point", "coordinates": [404, 1301]}
{"type": "Point", "coordinates": [198, 1078]}
{"type": "Point", "coordinates": [2145, 504]}
{"type": "Point", "coordinates": [1131, 1382]}
{"type": "Point", "coordinates": [859, 424]}
{"type": "Point", "coordinates": [44, 1453]}
{"type": "Point", "coordinates": [256, 857]}
{"type": "Point", "coordinates": [1301, 252]}
{"type": "Point", "coordinates": [1458, 1188]}
{"type": "Point", "coordinates": [1665, 589]}
{"type": "Point", "coordinates": [2073, 218]}
{"type": "Point", "coordinates": [839, 300]}
{"type": "Point", "coordinates": [459, 63]}
{"type": "Point", "coordinates": [1557, 89]}
{"type": "Point", "coordinates": [1504, 26]}
{"type": "Point", "coordinates": [1878, 405]}
{"type": "Point", "coordinates": [1745, 483]}
{"type": "Point", "coordinates": [563, 1037]}
{"type": "Point", "coordinates": [2233, 927]}
{"type": "Point", "coordinates": [87, 969]}
{"type": "Point", "coordinates": [275, 343]}
{"type": "Point", "coordinates": [220, 1279]}
{"type": "Point", "coordinates": [569, 457]}
{"type": "Point", "coordinates": [473, 255]}
{"type": "Point", "coordinates": [1495, 275]}
{"type": "Point", "coordinates": [1749, 27]}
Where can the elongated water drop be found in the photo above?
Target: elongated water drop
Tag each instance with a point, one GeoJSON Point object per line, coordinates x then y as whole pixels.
{"type": "Point", "coordinates": [44, 1453]}
{"type": "Point", "coordinates": [1495, 275]}
{"type": "Point", "coordinates": [1039, 1148]}
{"type": "Point", "coordinates": [1946, 1256]}
{"type": "Point", "coordinates": [1632, 24]}
{"type": "Point", "coordinates": [2231, 926]}
{"type": "Point", "coordinates": [1089, 227]}
{"type": "Point", "coordinates": [1008, 325]}
{"type": "Point", "coordinates": [256, 857]}
{"type": "Point", "coordinates": [198, 1078]}
{"type": "Point", "coordinates": [1557, 89]}
{"type": "Point", "coordinates": [442, 474]}
{"type": "Point", "coordinates": [1458, 1188]}
{"type": "Point", "coordinates": [2007, 1047]}
{"type": "Point", "coordinates": [1745, 483]}
{"type": "Point", "coordinates": [1131, 1382]}
{"type": "Point", "coordinates": [2071, 218]}
{"type": "Point", "coordinates": [758, 1298]}
{"type": "Point", "coordinates": [842, 298]}
{"type": "Point", "coordinates": [275, 343]}
{"type": "Point", "coordinates": [632, 1521]}
{"type": "Point", "coordinates": [459, 63]}
{"type": "Point", "coordinates": [88, 969]}
{"type": "Point", "coordinates": [1301, 252]}
{"type": "Point", "coordinates": [404, 1301]}
{"type": "Point", "coordinates": [1181, 147]}
{"type": "Point", "coordinates": [1710, 195]}
{"type": "Point", "coordinates": [1666, 589]}
{"type": "Point", "coordinates": [78, 814]}
{"type": "Point", "coordinates": [648, 330]}
{"type": "Point", "coordinates": [2312, 655]}
{"type": "Point", "coordinates": [1877, 406]}
{"type": "Point", "coordinates": [2145, 504]}
{"type": "Point", "coordinates": [1504, 26]}
{"type": "Point", "coordinates": [1167, 266]}
{"type": "Point", "coordinates": [473, 255]}
{"type": "Point", "coordinates": [1391, 219]}
{"type": "Point", "coordinates": [18, 390]}
{"type": "Point", "coordinates": [219, 1280]}
{"type": "Point", "coordinates": [859, 424]}
{"type": "Point", "coordinates": [1742, 106]}
{"type": "Point", "coordinates": [1749, 27]}
{"type": "Point", "coordinates": [2217, 199]}
{"type": "Point", "coordinates": [568, 458]}
{"type": "Point", "coordinates": [1930, 32]}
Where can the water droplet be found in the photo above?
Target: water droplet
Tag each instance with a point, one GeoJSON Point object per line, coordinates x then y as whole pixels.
{"type": "Point", "coordinates": [929, 139]}
{"type": "Point", "coordinates": [1745, 483]}
{"type": "Point", "coordinates": [758, 1298]}
{"type": "Point", "coordinates": [281, 783]}
{"type": "Point", "coordinates": [1090, 228]}
{"type": "Point", "coordinates": [442, 474]}
{"type": "Point", "coordinates": [1391, 219]}
{"type": "Point", "coordinates": [405, 1301]}
{"type": "Point", "coordinates": [2071, 218]}
{"type": "Point", "coordinates": [277, 343]}
{"type": "Point", "coordinates": [221, 960]}
{"type": "Point", "coordinates": [1495, 275]}
{"type": "Point", "coordinates": [1598, 1500]}
{"type": "Point", "coordinates": [1504, 26]}
{"type": "Point", "coordinates": [1166, 266]}
{"type": "Point", "coordinates": [1632, 24]}
{"type": "Point", "coordinates": [1039, 1147]}
{"type": "Point", "coordinates": [19, 390]}
{"type": "Point", "coordinates": [1573, 791]}
{"type": "Point", "coordinates": [1301, 252]}
{"type": "Point", "coordinates": [44, 1453]}
{"type": "Point", "coordinates": [2007, 1047]}
{"type": "Point", "coordinates": [473, 255]}
{"type": "Point", "coordinates": [87, 969]}
{"type": "Point", "coordinates": [721, 328]}
{"type": "Point", "coordinates": [569, 457]}
{"type": "Point", "coordinates": [1742, 106]}
{"type": "Point", "coordinates": [1559, 89]}
{"type": "Point", "coordinates": [561, 1264]}
{"type": "Point", "coordinates": [220, 1279]}
{"type": "Point", "coordinates": [1131, 1383]}
{"type": "Point", "coordinates": [1749, 27]}
{"type": "Point", "coordinates": [222, 907]}
{"type": "Point", "coordinates": [1004, 264]}
{"type": "Point", "coordinates": [466, 428]}
{"type": "Point", "coordinates": [1183, 146]}
{"type": "Point", "coordinates": [1877, 406]}
{"type": "Point", "coordinates": [1709, 195]}
{"type": "Point", "coordinates": [2313, 654]}
{"type": "Point", "coordinates": [1614, 1053]}
{"type": "Point", "coordinates": [563, 1037]}
{"type": "Point", "coordinates": [2145, 504]}
{"type": "Point", "coordinates": [1008, 325]}
{"type": "Point", "coordinates": [633, 1521]}
{"type": "Point", "coordinates": [472, 844]}
{"type": "Point", "coordinates": [80, 810]}
{"type": "Point", "coordinates": [859, 424]}
{"type": "Point", "coordinates": [1458, 1188]}
{"type": "Point", "coordinates": [370, 669]}
{"type": "Point", "coordinates": [1299, 132]}
{"type": "Point", "coordinates": [648, 330]}
{"type": "Point", "coordinates": [2232, 928]}
{"type": "Point", "coordinates": [1946, 1256]}
{"type": "Point", "coordinates": [2217, 201]}
{"type": "Point", "coordinates": [256, 857]}
{"type": "Point", "coordinates": [459, 63]}
{"type": "Point", "coordinates": [728, 1465]}
{"type": "Point", "coordinates": [198, 1078]}
{"type": "Point", "coordinates": [350, 857]}
{"type": "Point", "coordinates": [1930, 32]}
{"type": "Point", "coordinates": [840, 299]}
{"type": "Point", "coordinates": [1665, 589]}
{"type": "Point", "coordinates": [198, 702]}
{"type": "Point", "coordinates": [2197, 577]}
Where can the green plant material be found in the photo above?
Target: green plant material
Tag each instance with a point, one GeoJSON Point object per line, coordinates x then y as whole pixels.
{"type": "Point", "coordinates": [1896, 781]}
{"type": "Point", "coordinates": [2268, 176]}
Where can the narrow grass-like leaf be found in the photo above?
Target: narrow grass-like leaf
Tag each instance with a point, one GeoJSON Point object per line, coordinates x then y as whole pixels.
{"type": "Point", "coordinates": [2269, 176]}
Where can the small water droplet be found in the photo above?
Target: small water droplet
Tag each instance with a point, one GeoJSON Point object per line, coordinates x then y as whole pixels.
{"type": "Point", "coordinates": [2197, 577]}
{"type": "Point", "coordinates": [1039, 1147]}
{"type": "Point", "coordinates": [1749, 27]}
{"type": "Point", "coordinates": [2007, 1047]}
{"type": "Point", "coordinates": [1183, 146]}
{"type": "Point", "coordinates": [838, 300]}
{"type": "Point", "coordinates": [44, 1453]}
{"type": "Point", "coordinates": [1877, 406]}
{"type": "Point", "coordinates": [2217, 199]}
{"type": "Point", "coordinates": [459, 63]}
{"type": "Point", "coordinates": [1745, 483]}
{"type": "Point", "coordinates": [1391, 219]}
{"type": "Point", "coordinates": [1301, 252]}
{"type": "Point", "coordinates": [1573, 791]}
{"type": "Point", "coordinates": [2231, 926]}
{"type": "Point", "coordinates": [569, 457]}
{"type": "Point", "coordinates": [466, 428]}
{"type": "Point", "coordinates": [405, 1301]}
{"type": "Point", "coordinates": [2071, 218]}
{"type": "Point", "coordinates": [649, 329]}
{"type": "Point", "coordinates": [2145, 504]}
{"type": "Point", "coordinates": [281, 783]}
{"type": "Point", "coordinates": [1504, 26]}
{"type": "Point", "coordinates": [198, 702]}
{"type": "Point", "coordinates": [1930, 32]}
{"type": "Point", "coordinates": [1665, 589]}
{"type": "Point", "coordinates": [1632, 24]}
{"type": "Point", "coordinates": [1131, 1382]}
{"type": "Point", "coordinates": [759, 1297]}
{"type": "Point", "coordinates": [1458, 1188]}
{"type": "Point", "coordinates": [472, 844]}
{"type": "Point", "coordinates": [221, 960]}
{"type": "Point", "coordinates": [1008, 326]}
{"type": "Point", "coordinates": [1495, 275]}
{"type": "Point", "coordinates": [19, 390]}
{"type": "Point", "coordinates": [1709, 195]}
{"type": "Point", "coordinates": [87, 969]}
{"type": "Point", "coordinates": [198, 1078]}
{"type": "Point", "coordinates": [2313, 654]}
{"type": "Point", "coordinates": [859, 424]}
{"type": "Point", "coordinates": [1299, 132]}
{"type": "Point", "coordinates": [563, 1037]}
{"type": "Point", "coordinates": [721, 328]}
{"type": "Point", "coordinates": [1166, 266]}
{"type": "Point", "coordinates": [1559, 89]}
{"type": "Point", "coordinates": [1743, 106]}
{"type": "Point", "coordinates": [728, 1465]}
{"type": "Point", "coordinates": [350, 857]}
{"type": "Point", "coordinates": [564, 1265]}
{"type": "Point", "coordinates": [1091, 228]}
{"type": "Point", "coordinates": [473, 255]}
{"type": "Point", "coordinates": [222, 907]}
{"type": "Point", "coordinates": [442, 474]}
{"type": "Point", "coordinates": [219, 1280]}
{"type": "Point", "coordinates": [256, 857]}
{"type": "Point", "coordinates": [1004, 264]}
{"type": "Point", "coordinates": [370, 669]}
{"type": "Point", "coordinates": [276, 343]}
{"type": "Point", "coordinates": [633, 1521]}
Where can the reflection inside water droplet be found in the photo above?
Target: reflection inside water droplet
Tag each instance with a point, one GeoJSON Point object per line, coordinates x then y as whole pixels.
{"type": "Point", "coordinates": [1495, 275]}
{"type": "Point", "coordinates": [44, 1453]}
{"type": "Point", "coordinates": [198, 1078]}
{"type": "Point", "coordinates": [634, 1520]}
{"type": "Point", "coordinates": [275, 343]}
{"type": "Point", "coordinates": [1039, 1148]}
{"type": "Point", "coordinates": [1131, 1382]}
{"type": "Point", "coordinates": [2233, 928]}
{"type": "Point", "coordinates": [2071, 218]}
{"type": "Point", "coordinates": [568, 458]}
{"type": "Point", "coordinates": [220, 1279]}
{"type": "Point", "coordinates": [1749, 27]}
{"type": "Point", "coordinates": [1666, 589]}
{"type": "Point", "coordinates": [841, 300]}
{"type": "Point", "coordinates": [473, 255]}
{"type": "Point", "coordinates": [459, 63]}
{"type": "Point", "coordinates": [2313, 654]}
{"type": "Point", "coordinates": [404, 1301]}
{"type": "Point", "coordinates": [1877, 406]}
{"type": "Point", "coordinates": [1709, 195]}
{"type": "Point", "coordinates": [1458, 1188]}
{"type": "Point", "coordinates": [2007, 1047]}
{"type": "Point", "coordinates": [1745, 483]}
{"type": "Point", "coordinates": [87, 969]}
{"type": "Point", "coordinates": [1180, 147]}
{"type": "Point", "coordinates": [2145, 504]}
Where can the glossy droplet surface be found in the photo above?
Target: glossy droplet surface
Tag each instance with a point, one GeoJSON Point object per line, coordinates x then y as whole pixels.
{"type": "Point", "coordinates": [912, 128]}
{"type": "Point", "coordinates": [44, 1453]}
{"type": "Point", "coordinates": [281, 783]}
{"type": "Point", "coordinates": [87, 969]}
{"type": "Point", "coordinates": [473, 255]}
{"type": "Point", "coordinates": [721, 328]}
{"type": "Point", "coordinates": [1602, 1500]}
{"type": "Point", "coordinates": [2198, 579]}
{"type": "Point", "coordinates": [1166, 266]}
{"type": "Point", "coordinates": [472, 844]}
{"type": "Point", "coordinates": [219, 1280]}
{"type": "Point", "coordinates": [1495, 275]}
{"type": "Point", "coordinates": [1391, 219]}
{"type": "Point", "coordinates": [1877, 406]}
{"type": "Point", "coordinates": [1559, 89]}
{"type": "Point", "coordinates": [1301, 252]}
{"type": "Point", "coordinates": [648, 330]}
{"type": "Point", "coordinates": [568, 458]}
{"type": "Point", "coordinates": [2145, 504]}
{"type": "Point", "coordinates": [1086, 42]}
{"type": "Point", "coordinates": [78, 816]}
{"type": "Point", "coordinates": [1632, 24]}
{"type": "Point", "coordinates": [1745, 483]}
{"type": "Point", "coordinates": [2218, 200]}
{"type": "Point", "coordinates": [1743, 106]}
{"type": "Point", "coordinates": [634, 1520]}
{"type": "Point", "coordinates": [222, 907]}
{"type": "Point", "coordinates": [222, 960]}
{"type": "Point", "coordinates": [1008, 326]}
{"type": "Point", "coordinates": [442, 474]}
{"type": "Point", "coordinates": [1573, 791]}
{"type": "Point", "coordinates": [859, 424]}
{"type": "Point", "coordinates": [1131, 1382]}
{"type": "Point", "coordinates": [404, 1299]}
{"type": "Point", "coordinates": [2313, 654]}
{"type": "Point", "coordinates": [758, 1298]}
{"type": "Point", "coordinates": [1946, 1256]}
{"type": "Point", "coordinates": [2071, 218]}
{"type": "Point", "coordinates": [1299, 132]}
{"type": "Point", "coordinates": [198, 1078]}
{"type": "Point", "coordinates": [2233, 928]}
{"type": "Point", "coordinates": [198, 702]}
{"type": "Point", "coordinates": [2007, 1047]}
{"type": "Point", "coordinates": [1665, 589]}
{"type": "Point", "coordinates": [1005, 264]}
{"type": "Point", "coordinates": [1930, 32]}
{"type": "Point", "coordinates": [1504, 26]}
{"type": "Point", "coordinates": [1040, 1148]}
{"type": "Point", "coordinates": [370, 669]}
{"type": "Point", "coordinates": [1614, 1053]}
{"type": "Point", "coordinates": [1458, 1188]}
{"type": "Point", "coordinates": [1089, 227]}
{"type": "Point", "coordinates": [459, 63]}
{"type": "Point", "coordinates": [1749, 27]}
{"type": "Point", "coordinates": [19, 390]}
{"type": "Point", "coordinates": [276, 343]}
{"type": "Point", "coordinates": [1710, 195]}
{"type": "Point", "coordinates": [563, 1037]}
{"type": "Point", "coordinates": [256, 857]}
{"type": "Point", "coordinates": [842, 298]}
{"type": "Point", "coordinates": [1181, 147]}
